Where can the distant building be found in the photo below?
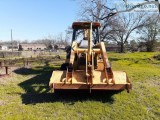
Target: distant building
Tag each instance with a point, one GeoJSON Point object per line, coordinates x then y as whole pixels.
{"type": "Point", "coordinates": [62, 47]}
{"type": "Point", "coordinates": [112, 47]}
{"type": "Point", "coordinates": [158, 48]}
{"type": "Point", "coordinates": [32, 46]}
{"type": "Point", "coordinates": [6, 47]}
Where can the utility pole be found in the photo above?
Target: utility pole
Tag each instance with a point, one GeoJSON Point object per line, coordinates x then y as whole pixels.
{"type": "Point", "coordinates": [11, 41]}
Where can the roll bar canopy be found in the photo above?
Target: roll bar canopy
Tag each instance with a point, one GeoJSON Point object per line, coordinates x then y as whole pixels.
{"type": "Point", "coordinates": [85, 25]}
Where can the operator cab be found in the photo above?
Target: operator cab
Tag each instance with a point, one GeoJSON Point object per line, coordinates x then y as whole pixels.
{"type": "Point", "coordinates": [80, 33]}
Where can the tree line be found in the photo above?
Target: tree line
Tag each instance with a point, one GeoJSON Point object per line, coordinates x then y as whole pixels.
{"type": "Point", "coordinates": [123, 27]}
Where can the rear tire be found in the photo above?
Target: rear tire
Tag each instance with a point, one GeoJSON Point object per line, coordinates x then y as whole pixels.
{"type": "Point", "coordinates": [64, 66]}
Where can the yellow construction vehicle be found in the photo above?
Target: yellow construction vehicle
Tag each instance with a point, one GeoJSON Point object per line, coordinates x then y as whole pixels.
{"type": "Point", "coordinates": [87, 66]}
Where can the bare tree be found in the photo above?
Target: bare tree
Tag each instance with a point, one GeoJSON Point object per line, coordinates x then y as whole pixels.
{"type": "Point", "coordinates": [126, 25]}
{"type": "Point", "coordinates": [148, 33]}
{"type": "Point", "coordinates": [133, 45]}
{"type": "Point", "coordinates": [25, 41]}
{"type": "Point", "coordinates": [115, 26]}
{"type": "Point", "coordinates": [61, 40]}
{"type": "Point", "coordinates": [114, 11]}
{"type": "Point", "coordinates": [68, 36]}
{"type": "Point", "coordinates": [92, 10]}
{"type": "Point", "coordinates": [48, 41]}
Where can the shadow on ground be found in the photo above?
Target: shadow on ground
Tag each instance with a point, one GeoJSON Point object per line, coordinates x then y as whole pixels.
{"type": "Point", "coordinates": [39, 82]}
{"type": "Point", "coordinates": [69, 97]}
{"type": "Point", "coordinates": [38, 91]}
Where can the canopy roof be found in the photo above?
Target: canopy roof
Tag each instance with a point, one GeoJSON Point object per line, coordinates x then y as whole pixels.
{"type": "Point", "coordinates": [85, 25]}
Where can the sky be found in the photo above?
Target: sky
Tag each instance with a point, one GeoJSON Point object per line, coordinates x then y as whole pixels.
{"type": "Point", "coordinates": [35, 19]}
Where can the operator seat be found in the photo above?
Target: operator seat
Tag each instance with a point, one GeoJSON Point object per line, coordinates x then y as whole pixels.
{"type": "Point", "coordinates": [84, 43]}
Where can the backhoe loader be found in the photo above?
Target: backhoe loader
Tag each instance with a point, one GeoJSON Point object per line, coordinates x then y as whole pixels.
{"type": "Point", "coordinates": [87, 66]}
